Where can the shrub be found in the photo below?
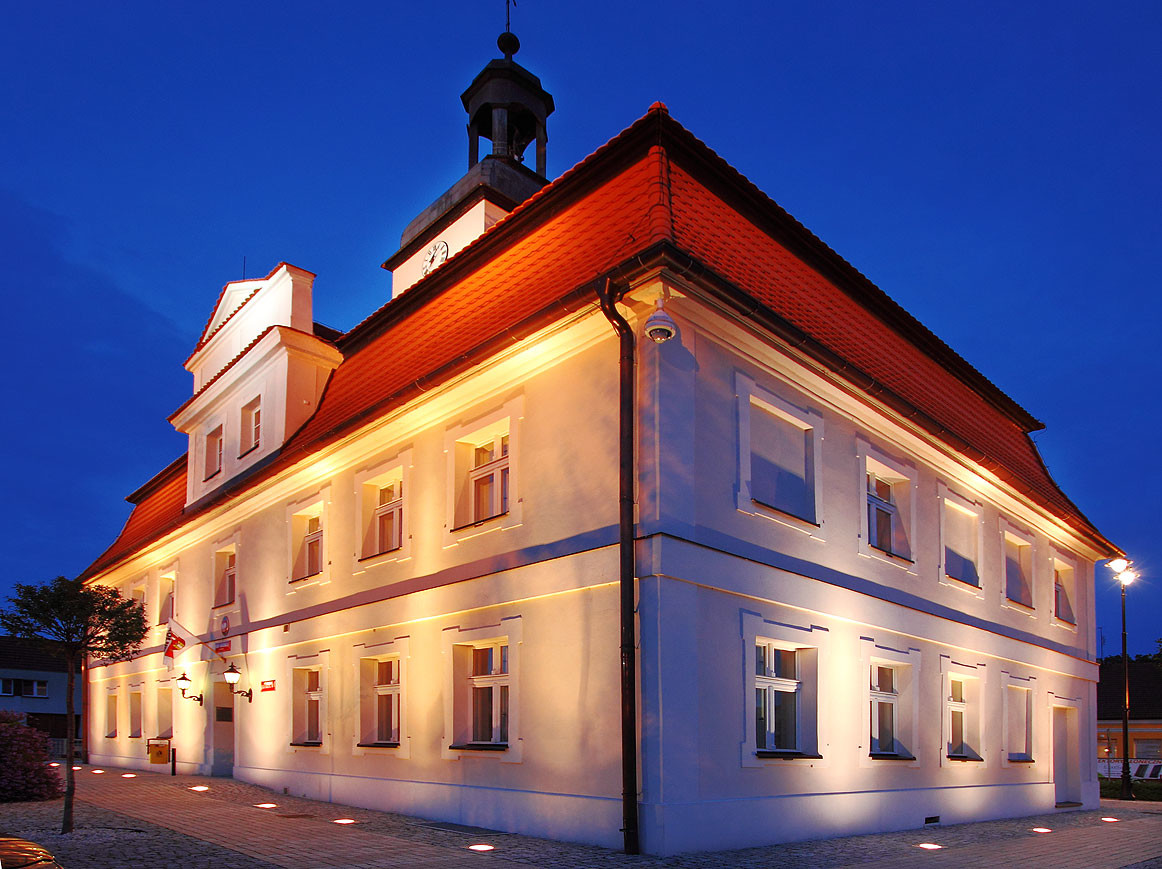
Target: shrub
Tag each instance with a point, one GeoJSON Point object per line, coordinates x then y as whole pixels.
{"type": "Point", "coordinates": [24, 771]}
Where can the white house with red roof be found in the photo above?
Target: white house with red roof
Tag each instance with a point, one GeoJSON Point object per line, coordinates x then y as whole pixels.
{"type": "Point", "coordinates": [637, 517]}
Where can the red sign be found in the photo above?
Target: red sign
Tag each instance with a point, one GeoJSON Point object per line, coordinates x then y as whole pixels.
{"type": "Point", "coordinates": [267, 684]}
{"type": "Point", "coordinates": [223, 646]}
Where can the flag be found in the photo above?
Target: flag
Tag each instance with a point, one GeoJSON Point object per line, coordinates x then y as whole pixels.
{"type": "Point", "coordinates": [176, 639]}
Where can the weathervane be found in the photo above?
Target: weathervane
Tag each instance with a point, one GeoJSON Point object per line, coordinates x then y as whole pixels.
{"type": "Point", "coordinates": [508, 43]}
{"type": "Point", "coordinates": [507, 15]}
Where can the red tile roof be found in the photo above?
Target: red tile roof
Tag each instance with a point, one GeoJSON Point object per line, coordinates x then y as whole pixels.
{"type": "Point", "coordinates": [654, 184]}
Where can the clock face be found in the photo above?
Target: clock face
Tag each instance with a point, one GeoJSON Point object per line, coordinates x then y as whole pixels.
{"type": "Point", "coordinates": [435, 255]}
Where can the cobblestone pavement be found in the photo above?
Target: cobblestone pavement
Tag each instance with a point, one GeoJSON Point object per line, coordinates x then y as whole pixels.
{"type": "Point", "coordinates": [154, 820]}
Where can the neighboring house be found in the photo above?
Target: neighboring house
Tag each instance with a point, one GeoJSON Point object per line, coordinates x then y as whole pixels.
{"type": "Point", "coordinates": [34, 681]}
{"type": "Point", "coordinates": [861, 602]}
{"type": "Point", "coordinates": [1145, 716]}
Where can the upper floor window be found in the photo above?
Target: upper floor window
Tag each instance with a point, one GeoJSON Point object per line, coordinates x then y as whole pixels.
{"type": "Point", "coordinates": [482, 474]}
{"type": "Point", "coordinates": [887, 520]}
{"type": "Point", "coordinates": [214, 447]}
{"type": "Point", "coordinates": [23, 688]}
{"type": "Point", "coordinates": [779, 454]}
{"type": "Point", "coordinates": [166, 593]}
{"type": "Point", "coordinates": [960, 527]}
{"type": "Point", "coordinates": [307, 542]}
{"type": "Point", "coordinates": [1018, 568]}
{"type": "Point", "coordinates": [251, 428]}
{"type": "Point", "coordinates": [225, 572]}
{"type": "Point", "coordinates": [1064, 589]}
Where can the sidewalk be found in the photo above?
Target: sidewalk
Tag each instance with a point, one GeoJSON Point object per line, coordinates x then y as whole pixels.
{"type": "Point", "coordinates": [152, 820]}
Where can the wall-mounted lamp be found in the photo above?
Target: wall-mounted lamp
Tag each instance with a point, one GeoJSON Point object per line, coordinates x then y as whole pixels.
{"type": "Point", "coordinates": [232, 676]}
{"type": "Point", "coordinates": [184, 683]}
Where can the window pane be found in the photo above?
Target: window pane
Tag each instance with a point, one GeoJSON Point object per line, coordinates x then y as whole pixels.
{"type": "Point", "coordinates": [760, 720]}
{"type": "Point", "coordinates": [1018, 722]}
{"type": "Point", "coordinates": [482, 456]}
{"type": "Point", "coordinates": [313, 719]}
{"type": "Point", "coordinates": [482, 715]}
{"type": "Point", "coordinates": [482, 661]}
{"type": "Point", "coordinates": [760, 660]}
{"type": "Point", "coordinates": [503, 714]}
{"type": "Point", "coordinates": [314, 556]}
{"type": "Point", "coordinates": [882, 534]}
{"type": "Point", "coordinates": [784, 660]}
{"type": "Point", "coordinates": [885, 679]}
{"type": "Point", "coordinates": [960, 543]}
{"type": "Point", "coordinates": [957, 744]}
{"type": "Point", "coordinates": [386, 718]}
{"type": "Point", "coordinates": [958, 690]}
{"type": "Point", "coordinates": [780, 473]}
{"type": "Point", "coordinates": [384, 672]}
{"type": "Point", "coordinates": [503, 491]}
{"type": "Point", "coordinates": [1018, 569]}
{"type": "Point", "coordinates": [387, 531]}
{"type": "Point", "coordinates": [482, 497]}
{"type": "Point", "coordinates": [1062, 587]}
{"type": "Point", "coordinates": [785, 719]}
{"type": "Point", "coordinates": [504, 659]}
{"type": "Point", "coordinates": [312, 680]}
{"type": "Point", "coordinates": [886, 719]}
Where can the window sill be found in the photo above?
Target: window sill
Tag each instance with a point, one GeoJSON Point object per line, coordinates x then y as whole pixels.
{"type": "Point", "coordinates": [965, 758]}
{"type": "Point", "coordinates": [306, 745]}
{"type": "Point", "coordinates": [775, 754]}
{"type": "Point", "coordinates": [314, 575]}
{"type": "Point", "coordinates": [223, 603]}
{"type": "Point", "coordinates": [248, 450]}
{"type": "Point", "coordinates": [480, 746]}
{"type": "Point", "coordinates": [211, 476]}
{"type": "Point", "coordinates": [893, 557]}
{"type": "Point", "coordinates": [375, 555]}
{"type": "Point", "coordinates": [889, 755]}
{"type": "Point", "coordinates": [1021, 760]}
{"type": "Point", "coordinates": [377, 745]}
{"type": "Point", "coordinates": [476, 523]}
{"type": "Point", "coordinates": [783, 514]}
{"type": "Point", "coordinates": [1019, 605]}
{"type": "Point", "coordinates": [975, 586]}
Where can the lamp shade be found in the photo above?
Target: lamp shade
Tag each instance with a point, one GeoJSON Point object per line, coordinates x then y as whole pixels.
{"type": "Point", "coordinates": [183, 682]}
{"type": "Point", "coordinates": [232, 675]}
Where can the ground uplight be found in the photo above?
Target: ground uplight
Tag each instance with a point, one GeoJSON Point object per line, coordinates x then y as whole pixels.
{"type": "Point", "coordinates": [929, 846]}
{"type": "Point", "coordinates": [76, 767]}
{"type": "Point", "coordinates": [98, 772]}
{"type": "Point", "coordinates": [266, 805]}
{"type": "Point", "coordinates": [480, 847]}
{"type": "Point", "coordinates": [1110, 820]}
{"type": "Point", "coordinates": [54, 763]}
{"type": "Point", "coordinates": [1042, 830]}
{"type": "Point", "coordinates": [199, 788]}
{"type": "Point", "coordinates": [344, 821]}
{"type": "Point", "coordinates": [128, 775]}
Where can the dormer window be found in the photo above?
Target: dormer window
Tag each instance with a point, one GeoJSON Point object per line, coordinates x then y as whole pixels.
{"type": "Point", "coordinates": [251, 426]}
{"type": "Point", "coordinates": [214, 444]}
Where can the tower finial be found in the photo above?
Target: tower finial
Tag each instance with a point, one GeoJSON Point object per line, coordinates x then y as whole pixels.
{"type": "Point", "coordinates": [507, 42]}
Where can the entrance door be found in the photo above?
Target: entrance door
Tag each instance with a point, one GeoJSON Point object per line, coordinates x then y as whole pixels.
{"type": "Point", "coordinates": [1066, 756]}
{"type": "Point", "coordinates": [223, 730]}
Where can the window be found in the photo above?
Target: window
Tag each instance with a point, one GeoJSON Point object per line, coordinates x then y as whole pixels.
{"type": "Point", "coordinates": [307, 718]}
{"type": "Point", "coordinates": [1148, 748]}
{"type": "Point", "coordinates": [776, 698]}
{"type": "Point", "coordinates": [779, 452]}
{"type": "Point", "coordinates": [380, 701]}
{"type": "Point", "coordinates": [1063, 592]}
{"type": "Point", "coordinates": [383, 509]}
{"type": "Point", "coordinates": [892, 719]}
{"type": "Point", "coordinates": [110, 716]}
{"type": "Point", "coordinates": [1018, 569]}
{"type": "Point", "coordinates": [482, 473]}
{"type": "Point", "coordinates": [214, 445]}
{"type": "Point", "coordinates": [960, 524]}
{"type": "Point", "coordinates": [225, 571]}
{"type": "Point", "coordinates": [166, 590]}
{"type": "Point", "coordinates": [134, 714]}
{"type": "Point", "coordinates": [883, 709]}
{"type": "Point", "coordinates": [307, 541]}
{"type": "Point", "coordinates": [164, 713]}
{"type": "Point", "coordinates": [962, 711]}
{"type": "Point", "coordinates": [482, 675]}
{"type": "Point", "coordinates": [137, 595]}
{"type": "Point", "coordinates": [23, 688]}
{"type": "Point", "coordinates": [251, 429]}
{"type": "Point", "coordinates": [887, 491]}
{"type": "Point", "coordinates": [1018, 723]}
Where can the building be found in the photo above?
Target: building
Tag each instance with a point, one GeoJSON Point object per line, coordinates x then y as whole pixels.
{"type": "Point", "coordinates": [846, 596]}
{"type": "Point", "coordinates": [34, 682]}
{"type": "Point", "coordinates": [1145, 717]}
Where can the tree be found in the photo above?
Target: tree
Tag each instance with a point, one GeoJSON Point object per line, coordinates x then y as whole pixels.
{"type": "Point", "coordinates": [80, 621]}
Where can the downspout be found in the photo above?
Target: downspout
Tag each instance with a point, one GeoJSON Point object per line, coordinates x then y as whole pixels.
{"type": "Point", "coordinates": [607, 296]}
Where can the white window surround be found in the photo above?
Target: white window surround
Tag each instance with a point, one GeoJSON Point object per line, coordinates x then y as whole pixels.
{"type": "Point", "coordinates": [902, 478]}
{"type": "Point", "coordinates": [906, 667]}
{"type": "Point", "coordinates": [1064, 569]}
{"type": "Point", "coordinates": [299, 516]}
{"type": "Point", "coordinates": [962, 508]}
{"type": "Point", "coordinates": [753, 398]}
{"type": "Point", "coordinates": [368, 482]}
{"type": "Point", "coordinates": [459, 447]}
{"type": "Point", "coordinates": [809, 643]}
{"type": "Point", "coordinates": [296, 717]}
{"type": "Point", "coordinates": [457, 694]}
{"type": "Point", "coordinates": [397, 650]}
{"type": "Point", "coordinates": [1018, 706]}
{"type": "Point", "coordinates": [973, 723]}
{"type": "Point", "coordinates": [1011, 535]}
{"type": "Point", "coordinates": [250, 426]}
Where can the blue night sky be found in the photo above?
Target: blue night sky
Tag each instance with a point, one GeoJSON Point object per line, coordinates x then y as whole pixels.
{"type": "Point", "coordinates": [994, 167]}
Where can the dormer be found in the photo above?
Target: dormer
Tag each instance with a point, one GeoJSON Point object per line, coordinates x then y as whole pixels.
{"type": "Point", "coordinates": [259, 371]}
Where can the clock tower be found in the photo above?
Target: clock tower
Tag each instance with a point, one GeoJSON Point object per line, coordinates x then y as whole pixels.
{"type": "Point", "coordinates": [506, 105]}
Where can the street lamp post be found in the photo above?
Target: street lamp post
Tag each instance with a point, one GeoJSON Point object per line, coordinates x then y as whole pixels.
{"type": "Point", "coordinates": [1125, 576]}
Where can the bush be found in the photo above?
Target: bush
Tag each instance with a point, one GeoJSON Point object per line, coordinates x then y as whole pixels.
{"type": "Point", "coordinates": [1111, 788]}
{"type": "Point", "coordinates": [24, 771]}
